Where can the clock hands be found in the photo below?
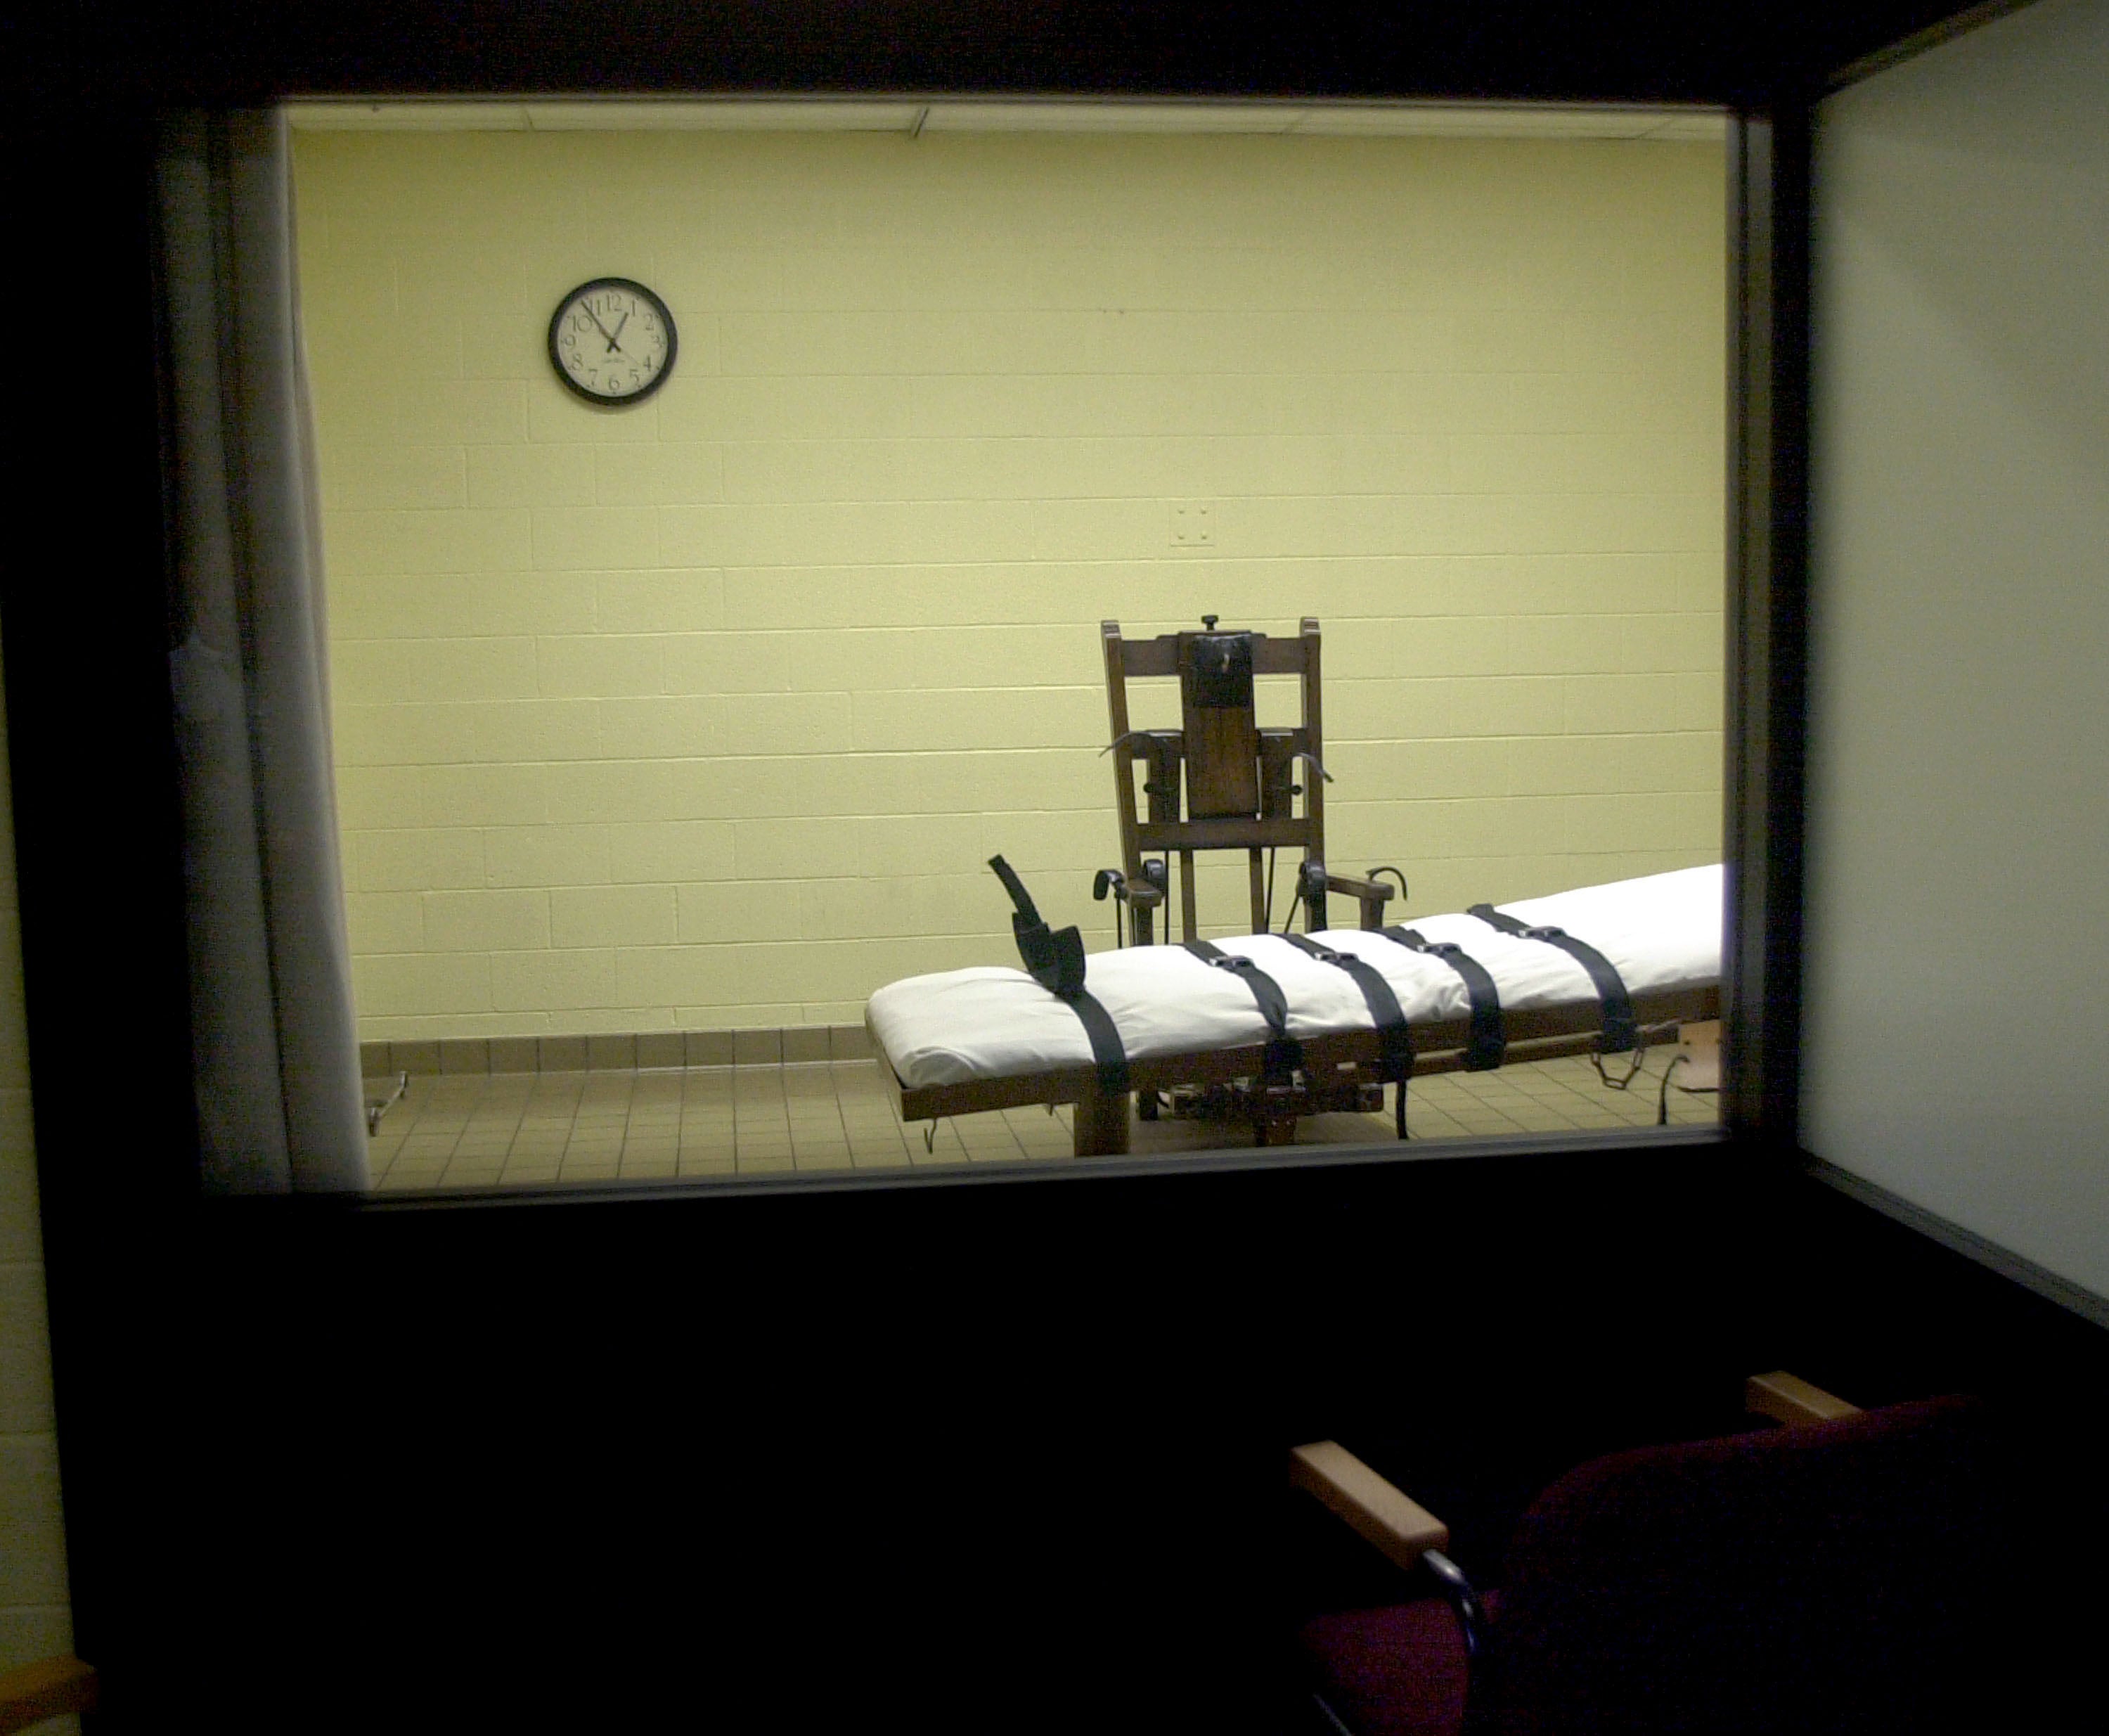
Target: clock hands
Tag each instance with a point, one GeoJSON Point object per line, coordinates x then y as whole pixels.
{"type": "Point", "coordinates": [614, 348]}
{"type": "Point", "coordinates": [617, 332]}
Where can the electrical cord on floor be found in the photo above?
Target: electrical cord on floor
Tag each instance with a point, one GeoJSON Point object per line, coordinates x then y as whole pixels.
{"type": "Point", "coordinates": [1662, 1102]}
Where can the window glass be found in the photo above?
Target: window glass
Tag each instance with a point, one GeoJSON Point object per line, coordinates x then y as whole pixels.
{"type": "Point", "coordinates": [670, 727]}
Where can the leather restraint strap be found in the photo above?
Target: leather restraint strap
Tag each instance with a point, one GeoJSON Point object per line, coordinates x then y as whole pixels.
{"type": "Point", "coordinates": [1394, 1035]}
{"type": "Point", "coordinates": [1056, 963]}
{"type": "Point", "coordinates": [1284, 1055]}
{"type": "Point", "coordinates": [1487, 1044]}
{"type": "Point", "coordinates": [1621, 1033]}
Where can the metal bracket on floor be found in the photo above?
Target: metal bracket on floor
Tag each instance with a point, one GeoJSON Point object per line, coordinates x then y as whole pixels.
{"type": "Point", "coordinates": [375, 1111]}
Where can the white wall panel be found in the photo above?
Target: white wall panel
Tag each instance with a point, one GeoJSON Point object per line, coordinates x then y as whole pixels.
{"type": "Point", "coordinates": [1957, 1028]}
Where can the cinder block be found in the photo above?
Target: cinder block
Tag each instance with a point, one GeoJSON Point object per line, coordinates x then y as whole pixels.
{"type": "Point", "coordinates": [744, 662]}
{"type": "Point", "coordinates": [414, 859]}
{"type": "Point", "coordinates": [670, 852]}
{"type": "Point", "coordinates": [468, 412]}
{"type": "Point", "coordinates": [371, 798]}
{"type": "Point", "coordinates": [1621, 704]}
{"type": "Point", "coordinates": [587, 538]}
{"type": "Point", "coordinates": [546, 855]}
{"type": "Point", "coordinates": [385, 921]}
{"type": "Point", "coordinates": [445, 671]}
{"type": "Point", "coordinates": [403, 984]}
{"type": "Point", "coordinates": [682, 600]}
{"type": "Point", "coordinates": [530, 476]}
{"type": "Point", "coordinates": [387, 476]}
{"type": "Point", "coordinates": [791, 723]}
{"type": "Point", "coordinates": [612, 915]}
{"type": "Point", "coordinates": [486, 921]}
{"type": "Point", "coordinates": [1672, 642]}
{"type": "Point", "coordinates": [399, 541]}
{"type": "Point", "coordinates": [669, 472]}
{"type": "Point", "coordinates": [599, 667]}
{"type": "Point", "coordinates": [671, 726]}
{"type": "Point", "coordinates": [568, 980]}
{"type": "Point", "coordinates": [1567, 645]}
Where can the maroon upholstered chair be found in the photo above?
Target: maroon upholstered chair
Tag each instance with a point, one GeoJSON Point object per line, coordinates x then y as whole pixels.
{"type": "Point", "coordinates": [1842, 1572]}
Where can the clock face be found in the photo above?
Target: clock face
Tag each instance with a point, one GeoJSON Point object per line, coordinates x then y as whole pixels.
{"type": "Point", "coordinates": [612, 342]}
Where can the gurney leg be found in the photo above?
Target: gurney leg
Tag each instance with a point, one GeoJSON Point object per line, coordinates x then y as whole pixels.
{"type": "Point", "coordinates": [1100, 1126]}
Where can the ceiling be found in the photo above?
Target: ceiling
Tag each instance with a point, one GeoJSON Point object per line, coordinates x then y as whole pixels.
{"type": "Point", "coordinates": [914, 117]}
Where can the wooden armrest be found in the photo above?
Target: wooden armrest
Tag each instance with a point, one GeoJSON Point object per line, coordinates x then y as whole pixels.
{"type": "Point", "coordinates": [1348, 886]}
{"type": "Point", "coordinates": [42, 1690]}
{"type": "Point", "coordinates": [1140, 892]}
{"type": "Point", "coordinates": [1375, 1510]}
{"type": "Point", "coordinates": [1787, 1398]}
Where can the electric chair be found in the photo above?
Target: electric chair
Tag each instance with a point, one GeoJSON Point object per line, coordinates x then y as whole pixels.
{"type": "Point", "coordinates": [1222, 781]}
{"type": "Point", "coordinates": [1239, 780]}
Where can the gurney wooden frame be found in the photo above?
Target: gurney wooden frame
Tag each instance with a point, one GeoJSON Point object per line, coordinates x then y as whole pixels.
{"type": "Point", "coordinates": [1100, 1123]}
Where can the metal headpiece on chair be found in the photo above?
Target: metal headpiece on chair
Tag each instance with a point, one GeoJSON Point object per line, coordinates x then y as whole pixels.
{"type": "Point", "coordinates": [1223, 672]}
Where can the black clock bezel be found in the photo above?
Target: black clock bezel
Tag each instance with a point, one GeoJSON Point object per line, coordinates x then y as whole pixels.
{"type": "Point", "coordinates": [600, 400]}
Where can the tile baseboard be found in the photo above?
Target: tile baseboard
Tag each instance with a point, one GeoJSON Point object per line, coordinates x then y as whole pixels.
{"type": "Point", "coordinates": [623, 1052]}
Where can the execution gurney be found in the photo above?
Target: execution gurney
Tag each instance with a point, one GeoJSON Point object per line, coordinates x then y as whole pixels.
{"type": "Point", "coordinates": [1469, 989]}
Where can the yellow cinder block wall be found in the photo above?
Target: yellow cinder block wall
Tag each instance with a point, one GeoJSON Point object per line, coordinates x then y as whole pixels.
{"type": "Point", "coordinates": [706, 713]}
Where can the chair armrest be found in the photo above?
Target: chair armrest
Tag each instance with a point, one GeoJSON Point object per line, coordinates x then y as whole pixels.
{"type": "Point", "coordinates": [1352, 886]}
{"type": "Point", "coordinates": [1787, 1398]}
{"type": "Point", "coordinates": [1375, 1510]}
{"type": "Point", "coordinates": [42, 1690]}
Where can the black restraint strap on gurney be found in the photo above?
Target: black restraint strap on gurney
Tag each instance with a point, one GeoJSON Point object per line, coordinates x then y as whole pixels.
{"type": "Point", "coordinates": [1621, 1031]}
{"type": "Point", "coordinates": [1056, 963]}
{"type": "Point", "coordinates": [1283, 1054]}
{"type": "Point", "coordinates": [1487, 1044]}
{"type": "Point", "coordinates": [1394, 1035]}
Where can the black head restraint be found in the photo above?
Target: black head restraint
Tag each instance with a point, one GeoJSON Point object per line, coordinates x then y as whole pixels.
{"type": "Point", "coordinates": [1055, 960]}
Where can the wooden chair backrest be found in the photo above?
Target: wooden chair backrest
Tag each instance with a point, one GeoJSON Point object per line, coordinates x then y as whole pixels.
{"type": "Point", "coordinates": [1219, 781]}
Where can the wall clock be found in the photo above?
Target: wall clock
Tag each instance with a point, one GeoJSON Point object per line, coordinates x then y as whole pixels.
{"type": "Point", "coordinates": [613, 341]}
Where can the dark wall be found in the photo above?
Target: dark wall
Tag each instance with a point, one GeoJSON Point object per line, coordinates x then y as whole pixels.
{"type": "Point", "coordinates": [1630, 50]}
{"type": "Point", "coordinates": [995, 1456]}
{"type": "Point", "coordinates": [1007, 1455]}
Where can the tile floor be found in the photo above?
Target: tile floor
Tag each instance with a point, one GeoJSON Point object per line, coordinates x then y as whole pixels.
{"type": "Point", "coordinates": [523, 1129]}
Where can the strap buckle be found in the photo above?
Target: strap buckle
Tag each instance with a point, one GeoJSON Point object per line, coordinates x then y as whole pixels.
{"type": "Point", "coordinates": [1632, 1067]}
{"type": "Point", "coordinates": [1547, 932]}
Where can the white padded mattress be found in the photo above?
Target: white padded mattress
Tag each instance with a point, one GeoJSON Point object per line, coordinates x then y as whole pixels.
{"type": "Point", "coordinates": [990, 1022]}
